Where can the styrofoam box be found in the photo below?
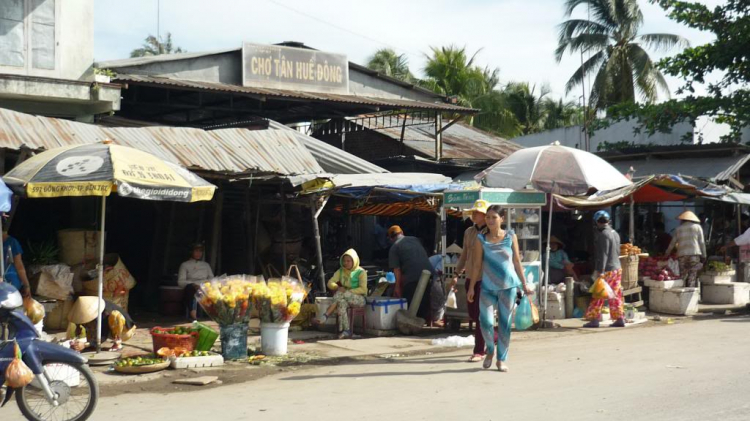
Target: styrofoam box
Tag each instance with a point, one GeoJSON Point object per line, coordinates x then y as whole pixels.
{"type": "Point", "coordinates": [735, 293]}
{"type": "Point", "coordinates": [680, 301]}
{"type": "Point", "coordinates": [677, 283]}
{"type": "Point", "coordinates": [213, 360]}
{"type": "Point", "coordinates": [381, 312]}
{"type": "Point", "coordinates": [708, 279]}
{"type": "Point", "coordinates": [555, 309]}
{"type": "Point", "coordinates": [323, 303]}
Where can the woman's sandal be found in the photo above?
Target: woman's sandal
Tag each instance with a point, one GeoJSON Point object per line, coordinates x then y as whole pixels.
{"type": "Point", "coordinates": [502, 367]}
{"type": "Point", "coordinates": [475, 358]}
{"type": "Point", "coordinates": [487, 362]}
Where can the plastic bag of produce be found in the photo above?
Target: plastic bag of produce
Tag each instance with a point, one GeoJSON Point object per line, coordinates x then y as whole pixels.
{"type": "Point", "coordinates": [524, 316]}
{"type": "Point", "coordinates": [33, 309]}
{"type": "Point", "coordinates": [18, 374]}
{"type": "Point", "coordinates": [601, 289]}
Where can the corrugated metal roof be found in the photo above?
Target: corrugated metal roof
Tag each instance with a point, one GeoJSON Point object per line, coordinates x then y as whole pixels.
{"type": "Point", "coordinates": [459, 141]}
{"type": "Point", "coordinates": [229, 151]}
{"type": "Point", "coordinates": [714, 168]}
{"type": "Point", "coordinates": [280, 93]}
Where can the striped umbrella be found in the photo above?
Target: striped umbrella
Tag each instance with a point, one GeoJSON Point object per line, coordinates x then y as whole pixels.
{"type": "Point", "coordinates": [100, 169]}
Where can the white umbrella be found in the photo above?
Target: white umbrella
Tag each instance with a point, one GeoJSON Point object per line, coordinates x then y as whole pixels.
{"type": "Point", "coordinates": [553, 169]}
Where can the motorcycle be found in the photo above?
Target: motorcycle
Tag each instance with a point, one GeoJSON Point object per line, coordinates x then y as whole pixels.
{"type": "Point", "coordinates": [64, 388]}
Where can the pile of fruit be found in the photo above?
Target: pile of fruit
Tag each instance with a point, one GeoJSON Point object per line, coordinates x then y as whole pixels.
{"type": "Point", "coordinates": [180, 330]}
{"type": "Point", "coordinates": [140, 361]}
{"type": "Point", "coordinates": [716, 266]}
{"type": "Point", "coordinates": [656, 268]}
{"type": "Point", "coordinates": [628, 249]}
{"type": "Point", "coordinates": [180, 353]}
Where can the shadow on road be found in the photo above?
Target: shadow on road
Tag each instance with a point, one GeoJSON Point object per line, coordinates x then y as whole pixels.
{"type": "Point", "coordinates": [384, 374]}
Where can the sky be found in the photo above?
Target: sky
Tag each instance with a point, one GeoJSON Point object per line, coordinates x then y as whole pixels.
{"type": "Point", "coordinates": [517, 36]}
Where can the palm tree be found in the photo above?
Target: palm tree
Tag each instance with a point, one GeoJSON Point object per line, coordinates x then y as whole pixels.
{"type": "Point", "coordinates": [153, 46]}
{"type": "Point", "coordinates": [451, 72]}
{"type": "Point", "coordinates": [387, 62]}
{"type": "Point", "coordinates": [526, 104]}
{"type": "Point", "coordinates": [618, 58]}
{"type": "Point", "coordinates": [558, 114]}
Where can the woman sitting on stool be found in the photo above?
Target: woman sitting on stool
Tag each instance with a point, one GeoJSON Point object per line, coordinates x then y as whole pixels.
{"type": "Point", "coordinates": [350, 284]}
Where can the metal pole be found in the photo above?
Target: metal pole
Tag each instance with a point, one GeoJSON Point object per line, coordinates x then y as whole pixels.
{"type": "Point", "coordinates": [438, 136]}
{"type": "Point", "coordinates": [2, 253]}
{"type": "Point", "coordinates": [318, 246]}
{"type": "Point", "coordinates": [632, 220]}
{"type": "Point", "coordinates": [443, 234]}
{"type": "Point", "coordinates": [546, 264]}
{"type": "Point", "coordinates": [101, 279]}
{"type": "Point", "coordinates": [283, 227]}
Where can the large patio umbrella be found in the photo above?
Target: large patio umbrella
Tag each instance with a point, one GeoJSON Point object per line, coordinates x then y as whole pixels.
{"type": "Point", "coordinates": [553, 169]}
{"type": "Point", "coordinates": [100, 169]}
{"type": "Point", "coordinates": [5, 205]}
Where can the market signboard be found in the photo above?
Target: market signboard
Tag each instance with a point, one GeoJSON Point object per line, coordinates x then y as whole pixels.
{"type": "Point", "coordinates": [295, 69]}
{"type": "Point", "coordinates": [507, 198]}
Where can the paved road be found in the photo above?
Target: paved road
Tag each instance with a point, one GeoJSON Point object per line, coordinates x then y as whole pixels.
{"type": "Point", "coordinates": [692, 371]}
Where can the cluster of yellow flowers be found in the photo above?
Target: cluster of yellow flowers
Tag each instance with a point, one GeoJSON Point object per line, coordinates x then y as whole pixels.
{"type": "Point", "coordinates": [279, 300]}
{"type": "Point", "coordinates": [227, 301]}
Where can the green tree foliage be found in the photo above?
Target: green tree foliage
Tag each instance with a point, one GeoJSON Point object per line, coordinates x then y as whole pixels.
{"type": "Point", "coordinates": [387, 62]}
{"type": "Point", "coordinates": [153, 46]}
{"type": "Point", "coordinates": [619, 63]}
{"type": "Point", "coordinates": [728, 100]}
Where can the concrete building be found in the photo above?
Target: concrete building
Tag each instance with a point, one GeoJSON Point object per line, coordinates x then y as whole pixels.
{"type": "Point", "coordinates": [47, 58]}
{"type": "Point", "coordinates": [623, 131]}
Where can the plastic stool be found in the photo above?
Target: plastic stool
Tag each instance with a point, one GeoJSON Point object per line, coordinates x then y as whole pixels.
{"type": "Point", "coordinates": [355, 312]}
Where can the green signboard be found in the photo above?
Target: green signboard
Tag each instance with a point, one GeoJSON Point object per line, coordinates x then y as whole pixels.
{"type": "Point", "coordinates": [514, 198]}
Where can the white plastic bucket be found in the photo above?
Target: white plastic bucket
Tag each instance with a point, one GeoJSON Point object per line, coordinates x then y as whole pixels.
{"type": "Point", "coordinates": [274, 338]}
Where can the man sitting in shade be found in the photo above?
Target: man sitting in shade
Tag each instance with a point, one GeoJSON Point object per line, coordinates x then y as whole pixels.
{"type": "Point", "coordinates": [192, 273]}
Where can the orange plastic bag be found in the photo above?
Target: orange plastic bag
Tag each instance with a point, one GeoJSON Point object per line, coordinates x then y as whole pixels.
{"type": "Point", "coordinates": [18, 374]}
{"type": "Point", "coordinates": [601, 290]}
{"type": "Point", "coordinates": [33, 309]}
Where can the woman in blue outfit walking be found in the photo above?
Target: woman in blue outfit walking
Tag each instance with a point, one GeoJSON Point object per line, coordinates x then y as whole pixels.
{"type": "Point", "coordinates": [497, 262]}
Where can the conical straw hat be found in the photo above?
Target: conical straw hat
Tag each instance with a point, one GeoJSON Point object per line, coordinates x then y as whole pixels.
{"type": "Point", "coordinates": [84, 310]}
{"type": "Point", "coordinates": [688, 216]}
{"type": "Point", "coordinates": [454, 248]}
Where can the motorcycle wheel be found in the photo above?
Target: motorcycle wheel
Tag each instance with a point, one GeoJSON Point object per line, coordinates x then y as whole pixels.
{"type": "Point", "coordinates": [75, 386]}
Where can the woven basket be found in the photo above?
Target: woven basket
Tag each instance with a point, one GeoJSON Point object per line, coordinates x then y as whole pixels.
{"type": "Point", "coordinates": [629, 272]}
{"type": "Point", "coordinates": [165, 340]}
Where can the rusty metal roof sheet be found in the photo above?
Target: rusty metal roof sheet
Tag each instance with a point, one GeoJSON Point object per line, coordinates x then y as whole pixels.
{"type": "Point", "coordinates": [459, 141]}
{"type": "Point", "coordinates": [280, 93]}
{"type": "Point", "coordinates": [228, 151]}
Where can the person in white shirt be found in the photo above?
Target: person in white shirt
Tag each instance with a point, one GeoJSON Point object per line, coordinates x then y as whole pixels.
{"type": "Point", "coordinates": [742, 240]}
{"type": "Point", "coordinates": [192, 272]}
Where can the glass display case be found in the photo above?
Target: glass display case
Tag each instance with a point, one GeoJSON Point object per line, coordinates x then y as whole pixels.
{"type": "Point", "coordinates": [527, 224]}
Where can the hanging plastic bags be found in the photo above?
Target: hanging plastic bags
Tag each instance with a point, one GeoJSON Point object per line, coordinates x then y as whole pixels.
{"type": "Point", "coordinates": [524, 315]}
{"type": "Point", "coordinates": [33, 309]}
{"type": "Point", "coordinates": [18, 374]}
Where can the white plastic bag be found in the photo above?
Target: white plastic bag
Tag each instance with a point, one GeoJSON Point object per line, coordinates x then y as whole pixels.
{"type": "Point", "coordinates": [451, 302]}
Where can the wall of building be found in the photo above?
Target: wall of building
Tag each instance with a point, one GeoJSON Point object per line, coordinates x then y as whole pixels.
{"type": "Point", "coordinates": [365, 85]}
{"type": "Point", "coordinates": [55, 38]}
{"type": "Point", "coordinates": [617, 132]}
{"type": "Point", "coordinates": [216, 68]}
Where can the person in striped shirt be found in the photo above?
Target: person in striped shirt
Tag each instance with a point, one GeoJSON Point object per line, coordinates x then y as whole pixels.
{"type": "Point", "coordinates": [691, 247]}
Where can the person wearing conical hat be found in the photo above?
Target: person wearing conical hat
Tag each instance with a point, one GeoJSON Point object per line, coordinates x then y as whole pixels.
{"type": "Point", "coordinates": [116, 321]}
{"type": "Point", "coordinates": [690, 244]}
{"type": "Point", "coordinates": [559, 263]}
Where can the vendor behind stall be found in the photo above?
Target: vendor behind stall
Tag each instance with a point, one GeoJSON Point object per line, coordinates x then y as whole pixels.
{"type": "Point", "coordinates": [116, 323]}
{"type": "Point", "coordinates": [192, 272]}
{"type": "Point", "coordinates": [408, 259]}
{"type": "Point", "coordinates": [559, 262]}
{"type": "Point", "coordinates": [691, 247]}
